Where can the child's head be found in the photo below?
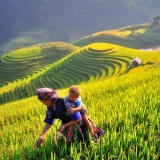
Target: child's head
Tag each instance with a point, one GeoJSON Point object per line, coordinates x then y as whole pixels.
{"type": "Point", "coordinates": [74, 93]}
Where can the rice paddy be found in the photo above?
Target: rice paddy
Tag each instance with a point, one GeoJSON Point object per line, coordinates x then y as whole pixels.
{"type": "Point", "coordinates": [122, 99]}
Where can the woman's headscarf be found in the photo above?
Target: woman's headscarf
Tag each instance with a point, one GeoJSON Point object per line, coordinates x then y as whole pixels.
{"type": "Point", "coordinates": [47, 93]}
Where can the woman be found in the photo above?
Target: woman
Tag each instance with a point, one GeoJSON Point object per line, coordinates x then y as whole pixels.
{"type": "Point", "coordinates": [56, 109]}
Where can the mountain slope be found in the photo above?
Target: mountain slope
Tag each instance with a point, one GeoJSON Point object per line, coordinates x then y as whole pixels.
{"type": "Point", "coordinates": [136, 36]}
{"type": "Point", "coordinates": [127, 108]}
{"type": "Point", "coordinates": [93, 62]}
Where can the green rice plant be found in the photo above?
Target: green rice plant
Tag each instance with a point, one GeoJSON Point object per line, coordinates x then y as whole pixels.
{"type": "Point", "coordinates": [127, 108]}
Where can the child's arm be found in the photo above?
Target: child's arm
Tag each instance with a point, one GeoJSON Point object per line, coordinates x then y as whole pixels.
{"type": "Point", "coordinates": [72, 110]}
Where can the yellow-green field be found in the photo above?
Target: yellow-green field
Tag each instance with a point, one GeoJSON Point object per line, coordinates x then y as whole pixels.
{"type": "Point", "coordinates": [127, 108]}
{"type": "Point", "coordinates": [122, 99]}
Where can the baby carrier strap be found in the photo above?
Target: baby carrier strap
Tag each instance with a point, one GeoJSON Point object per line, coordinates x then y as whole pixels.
{"type": "Point", "coordinates": [64, 109]}
{"type": "Point", "coordinates": [52, 112]}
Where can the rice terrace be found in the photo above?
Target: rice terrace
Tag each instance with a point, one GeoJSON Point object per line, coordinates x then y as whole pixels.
{"type": "Point", "coordinates": [121, 98]}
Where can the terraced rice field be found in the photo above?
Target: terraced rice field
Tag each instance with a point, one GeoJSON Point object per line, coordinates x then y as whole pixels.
{"type": "Point", "coordinates": [127, 108]}
{"type": "Point", "coordinates": [136, 37]}
{"type": "Point", "coordinates": [120, 98]}
{"type": "Point", "coordinates": [57, 68]}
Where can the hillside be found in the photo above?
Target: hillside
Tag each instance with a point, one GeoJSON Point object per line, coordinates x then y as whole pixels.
{"type": "Point", "coordinates": [103, 55]}
{"type": "Point", "coordinates": [121, 98]}
{"type": "Point", "coordinates": [135, 36]}
{"type": "Point", "coordinates": [69, 20]}
{"type": "Point", "coordinates": [127, 108]}
{"type": "Point", "coordinates": [24, 70]}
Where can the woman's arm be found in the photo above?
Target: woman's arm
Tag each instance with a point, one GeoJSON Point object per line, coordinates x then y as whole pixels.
{"type": "Point", "coordinates": [42, 135]}
{"type": "Point", "coordinates": [71, 123]}
{"type": "Point", "coordinates": [62, 127]}
{"type": "Point", "coordinates": [45, 130]}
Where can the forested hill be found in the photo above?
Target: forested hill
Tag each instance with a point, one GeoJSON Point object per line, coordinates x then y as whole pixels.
{"type": "Point", "coordinates": [70, 20]}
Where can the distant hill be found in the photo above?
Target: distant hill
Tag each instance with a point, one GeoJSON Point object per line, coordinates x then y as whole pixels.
{"type": "Point", "coordinates": [25, 39]}
{"type": "Point", "coordinates": [70, 20]}
{"type": "Point", "coordinates": [136, 36]}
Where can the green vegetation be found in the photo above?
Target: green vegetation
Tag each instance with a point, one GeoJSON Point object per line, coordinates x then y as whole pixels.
{"type": "Point", "coordinates": [137, 36]}
{"type": "Point", "coordinates": [60, 65]}
{"type": "Point", "coordinates": [20, 67]}
{"type": "Point", "coordinates": [25, 39]}
{"type": "Point", "coordinates": [122, 99]}
{"type": "Point", "coordinates": [126, 107]}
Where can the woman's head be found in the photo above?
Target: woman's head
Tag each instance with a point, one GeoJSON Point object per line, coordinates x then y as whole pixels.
{"type": "Point", "coordinates": [45, 95]}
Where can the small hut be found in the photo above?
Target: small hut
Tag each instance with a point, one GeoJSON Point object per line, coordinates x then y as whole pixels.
{"type": "Point", "coordinates": [136, 62]}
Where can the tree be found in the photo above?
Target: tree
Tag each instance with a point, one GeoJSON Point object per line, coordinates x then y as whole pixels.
{"type": "Point", "coordinates": [156, 21]}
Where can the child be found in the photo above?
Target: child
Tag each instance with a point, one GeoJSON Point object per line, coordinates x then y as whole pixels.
{"type": "Point", "coordinates": [73, 100]}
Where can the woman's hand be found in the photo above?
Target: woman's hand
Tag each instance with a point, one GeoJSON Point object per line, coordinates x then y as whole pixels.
{"type": "Point", "coordinates": [42, 136]}
{"type": "Point", "coordinates": [39, 141]}
{"type": "Point", "coordinates": [61, 129]}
